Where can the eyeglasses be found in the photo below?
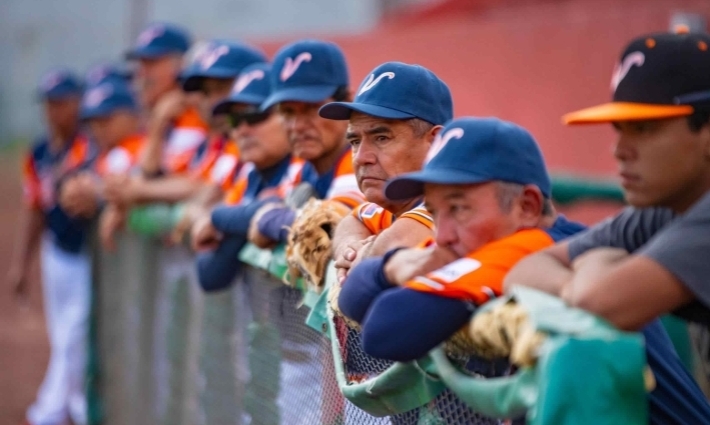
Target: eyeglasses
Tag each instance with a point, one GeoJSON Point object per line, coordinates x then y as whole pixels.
{"type": "Point", "coordinates": [250, 118]}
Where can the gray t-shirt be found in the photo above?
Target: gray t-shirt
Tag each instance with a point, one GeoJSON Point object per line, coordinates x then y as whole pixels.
{"type": "Point", "coordinates": [681, 244]}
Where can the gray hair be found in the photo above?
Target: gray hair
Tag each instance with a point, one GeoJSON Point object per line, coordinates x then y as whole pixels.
{"type": "Point", "coordinates": [508, 192]}
{"type": "Point", "coordinates": [419, 126]}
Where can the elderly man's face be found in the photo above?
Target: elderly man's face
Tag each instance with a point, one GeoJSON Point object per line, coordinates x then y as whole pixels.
{"type": "Point", "coordinates": [468, 216]}
{"type": "Point", "coordinates": [383, 149]}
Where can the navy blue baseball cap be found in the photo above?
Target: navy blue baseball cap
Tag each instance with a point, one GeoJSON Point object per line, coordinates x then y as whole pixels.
{"type": "Point", "coordinates": [106, 98]}
{"type": "Point", "coordinates": [477, 150]}
{"type": "Point", "coordinates": [160, 39]}
{"type": "Point", "coordinates": [106, 72]}
{"type": "Point", "coordinates": [398, 91]}
{"type": "Point", "coordinates": [252, 88]}
{"type": "Point", "coordinates": [307, 71]}
{"type": "Point", "coordinates": [220, 59]}
{"type": "Point", "coordinates": [60, 84]}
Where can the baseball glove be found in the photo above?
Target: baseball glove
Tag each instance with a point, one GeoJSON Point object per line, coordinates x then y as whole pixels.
{"type": "Point", "coordinates": [308, 248]}
{"type": "Point", "coordinates": [505, 331]}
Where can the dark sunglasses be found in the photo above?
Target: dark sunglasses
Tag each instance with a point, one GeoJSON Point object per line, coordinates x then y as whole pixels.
{"type": "Point", "coordinates": [250, 118]}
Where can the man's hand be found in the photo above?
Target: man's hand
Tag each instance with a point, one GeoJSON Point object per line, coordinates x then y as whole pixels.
{"type": "Point", "coordinates": [78, 196]}
{"type": "Point", "coordinates": [17, 282]}
{"type": "Point", "coordinates": [168, 108]}
{"type": "Point", "coordinates": [190, 213]}
{"type": "Point", "coordinates": [253, 233]}
{"type": "Point", "coordinates": [112, 220]}
{"type": "Point", "coordinates": [406, 264]}
{"type": "Point", "coordinates": [204, 236]}
{"type": "Point", "coordinates": [351, 256]}
{"type": "Point", "coordinates": [120, 189]}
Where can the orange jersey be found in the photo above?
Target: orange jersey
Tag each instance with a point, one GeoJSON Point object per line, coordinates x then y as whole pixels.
{"type": "Point", "coordinates": [122, 158]}
{"type": "Point", "coordinates": [479, 276]}
{"type": "Point", "coordinates": [219, 163]}
{"type": "Point", "coordinates": [339, 185]}
{"type": "Point", "coordinates": [377, 219]}
{"type": "Point", "coordinates": [182, 141]}
{"type": "Point", "coordinates": [42, 170]}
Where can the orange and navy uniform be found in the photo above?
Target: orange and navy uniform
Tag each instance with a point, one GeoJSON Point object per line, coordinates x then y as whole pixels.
{"type": "Point", "coordinates": [182, 140]}
{"type": "Point", "coordinates": [403, 323]}
{"type": "Point", "coordinates": [217, 162]}
{"type": "Point", "coordinates": [122, 158]}
{"type": "Point", "coordinates": [479, 276]}
{"type": "Point", "coordinates": [43, 173]}
{"type": "Point", "coordinates": [376, 219]}
{"type": "Point", "coordinates": [338, 184]}
{"type": "Point", "coordinates": [248, 185]}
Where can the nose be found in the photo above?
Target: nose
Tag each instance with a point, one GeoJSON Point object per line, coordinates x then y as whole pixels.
{"type": "Point", "coordinates": [445, 232]}
{"type": "Point", "coordinates": [624, 149]}
{"type": "Point", "coordinates": [363, 154]}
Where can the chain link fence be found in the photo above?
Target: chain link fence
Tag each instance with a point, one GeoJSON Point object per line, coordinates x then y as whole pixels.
{"type": "Point", "coordinates": [167, 353]}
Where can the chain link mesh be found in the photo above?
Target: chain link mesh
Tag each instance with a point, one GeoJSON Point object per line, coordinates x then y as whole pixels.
{"type": "Point", "coordinates": [173, 355]}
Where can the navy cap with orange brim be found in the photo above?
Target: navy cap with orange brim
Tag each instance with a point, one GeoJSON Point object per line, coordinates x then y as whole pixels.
{"type": "Point", "coordinates": [659, 76]}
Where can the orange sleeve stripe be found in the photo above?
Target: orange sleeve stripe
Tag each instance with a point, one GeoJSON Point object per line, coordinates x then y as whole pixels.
{"type": "Point", "coordinates": [421, 216]}
{"type": "Point", "coordinates": [479, 276]}
{"type": "Point", "coordinates": [349, 201]}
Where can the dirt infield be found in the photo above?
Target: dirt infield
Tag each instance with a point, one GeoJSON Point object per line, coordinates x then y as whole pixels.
{"type": "Point", "coordinates": [24, 350]}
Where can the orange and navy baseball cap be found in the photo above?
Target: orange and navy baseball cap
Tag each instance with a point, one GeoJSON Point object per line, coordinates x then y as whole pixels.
{"type": "Point", "coordinates": [658, 76]}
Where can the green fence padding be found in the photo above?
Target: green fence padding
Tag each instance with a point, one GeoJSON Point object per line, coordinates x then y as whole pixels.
{"type": "Point", "coordinates": [568, 189]}
{"type": "Point", "coordinates": [154, 220]}
{"type": "Point", "coordinates": [585, 367]}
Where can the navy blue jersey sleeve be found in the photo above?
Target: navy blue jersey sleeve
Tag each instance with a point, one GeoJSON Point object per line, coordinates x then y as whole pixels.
{"type": "Point", "coordinates": [274, 223]}
{"type": "Point", "coordinates": [235, 219]}
{"type": "Point", "coordinates": [403, 324]}
{"type": "Point", "coordinates": [364, 283]}
{"type": "Point", "coordinates": [217, 269]}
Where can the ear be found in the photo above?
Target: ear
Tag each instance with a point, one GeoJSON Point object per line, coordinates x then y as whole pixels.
{"type": "Point", "coordinates": [530, 204]}
{"type": "Point", "coordinates": [431, 135]}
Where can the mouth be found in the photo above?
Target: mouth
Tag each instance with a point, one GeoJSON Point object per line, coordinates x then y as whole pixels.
{"type": "Point", "coordinates": [629, 179]}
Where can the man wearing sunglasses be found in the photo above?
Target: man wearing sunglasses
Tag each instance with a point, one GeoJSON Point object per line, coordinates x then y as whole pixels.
{"type": "Point", "coordinates": [307, 74]}
{"type": "Point", "coordinates": [207, 80]}
{"type": "Point", "coordinates": [264, 148]}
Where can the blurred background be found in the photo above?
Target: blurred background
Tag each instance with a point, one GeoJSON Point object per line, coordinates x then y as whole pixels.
{"type": "Point", "coordinates": [528, 61]}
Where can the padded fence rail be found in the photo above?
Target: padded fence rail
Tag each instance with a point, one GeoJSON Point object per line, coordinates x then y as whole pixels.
{"type": "Point", "coordinates": [170, 354]}
{"type": "Point", "coordinates": [164, 352]}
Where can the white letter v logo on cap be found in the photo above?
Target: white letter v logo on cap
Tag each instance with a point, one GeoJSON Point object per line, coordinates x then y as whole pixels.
{"type": "Point", "coordinates": [442, 140]}
{"type": "Point", "coordinates": [372, 81]}
{"type": "Point", "coordinates": [291, 65]}
{"type": "Point", "coordinates": [634, 58]}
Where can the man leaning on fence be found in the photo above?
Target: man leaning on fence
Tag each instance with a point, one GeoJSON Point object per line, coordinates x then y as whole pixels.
{"type": "Point", "coordinates": [398, 111]}
{"type": "Point", "coordinates": [214, 164]}
{"type": "Point", "coordinates": [219, 235]}
{"type": "Point", "coordinates": [651, 258]}
{"type": "Point", "coordinates": [307, 74]}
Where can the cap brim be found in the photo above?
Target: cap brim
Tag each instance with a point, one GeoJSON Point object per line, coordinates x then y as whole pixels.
{"type": "Point", "coordinates": [626, 111]}
{"type": "Point", "coordinates": [411, 185]}
{"type": "Point", "coordinates": [343, 110]}
{"type": "Point", "coordinates": [59, 95]}
{"type": "Point", "coordinates": [225, 106]}
{"type": "Point", "coordinates": [310, 94]}
{"type": "Point", "coordinates": [87, 114]}
{"type": "Point", "coordinates": [151, 53]}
